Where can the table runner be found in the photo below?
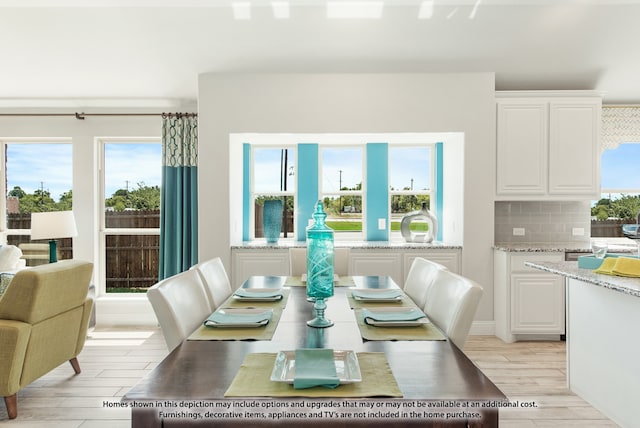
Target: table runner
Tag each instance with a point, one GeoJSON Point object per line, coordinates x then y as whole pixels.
{"type": "Point", "coordinates": [234, 333]}
{"type": "Point", "coordinates": [421, 332]}
{"type": "Point", "coordinates": [295, 281]}
{"type": "Point", "coordinates": [253, 380]}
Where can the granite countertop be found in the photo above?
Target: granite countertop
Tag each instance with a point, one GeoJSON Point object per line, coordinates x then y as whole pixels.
{"type": "Point", "coordinates": [285, 244]}
{"type": "Point", "coordinates": [622, 284]}
{"type": "Point", "coordinates": [579, 247]}
{"type": "Point", "coordinates": [615, 246]}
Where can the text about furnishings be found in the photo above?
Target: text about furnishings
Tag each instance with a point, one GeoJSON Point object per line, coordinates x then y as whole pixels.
{"type": "Point", "coordinates": [312, 408]}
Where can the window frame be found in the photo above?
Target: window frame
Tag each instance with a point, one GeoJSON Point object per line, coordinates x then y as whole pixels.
{"type": "Point", "coordinates": [4, 229]}
{"type": "Point", "coordinates": [397, 236]}
{"type": "Point", "coordinates": [360, 143]}
{"type": "Point", "coordinates": [253, 194]}
{"type": "Point", "coordinates": [361, 193]}
{"type": "Point", "coordinates": [103, 230]}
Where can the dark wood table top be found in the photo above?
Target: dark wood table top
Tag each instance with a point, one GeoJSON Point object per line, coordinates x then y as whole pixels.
{"type": "Point", "coordinates": [424, 370]}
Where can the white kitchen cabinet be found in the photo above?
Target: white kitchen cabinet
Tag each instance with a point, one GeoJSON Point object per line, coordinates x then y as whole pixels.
{"type": "Point", "coordinates": [548, 145]}
{"type": "Point", "coordinates": [526, 301]}
{"type": "Point", "coordinates": [448, 258]}
{"type": "Point", "coordinates": [377, 262]}
{"type": "Point", "coordinates": [522, 147]}
{"type": "Point", "coordinates": [574, 148]}
{"type": "Point", "coordinates": [393, 260]}
{"type": "Point", "coordinates": [537, 304]}
{"type": "Point", "coordinates": [251, 262]}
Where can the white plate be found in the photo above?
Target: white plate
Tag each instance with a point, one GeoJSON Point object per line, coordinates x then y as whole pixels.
{"type": "Point", "coordinates": [373, 298]}
{"type": "Point", "coordinates": [258, 297]}
{"type": "Point", "coordinates": [412, 323]}
{"type": "Point", "coordinates": [240, 311]}
{"type": "Point", "coordinates": [347, 367]}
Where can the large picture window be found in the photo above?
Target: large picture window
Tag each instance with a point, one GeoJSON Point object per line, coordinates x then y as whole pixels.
{"type": "Point", "coordinates": [365, 187]}
{"type": "Point", "coordinates": [131, 178]}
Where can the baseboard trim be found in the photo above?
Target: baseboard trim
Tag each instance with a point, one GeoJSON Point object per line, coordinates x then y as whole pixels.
{"type": "Point", "coordinates": [483, 328]}
{"type": "Point", "coordinates": [114, 311]}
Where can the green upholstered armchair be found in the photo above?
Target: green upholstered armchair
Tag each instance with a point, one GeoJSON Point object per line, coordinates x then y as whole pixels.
{"type": "Point", "coordinates": [44, 315]}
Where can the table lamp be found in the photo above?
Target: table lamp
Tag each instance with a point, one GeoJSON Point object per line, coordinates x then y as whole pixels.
{"type": "Point", "coordinates": [53, 225]}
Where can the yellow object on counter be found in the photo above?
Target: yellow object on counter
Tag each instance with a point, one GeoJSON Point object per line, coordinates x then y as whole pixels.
{"type": "Point", "coordinates": [620, 266]}
{"type": "Point", "coordinates": [607, 265]}
{"type": "Point", "coordinates": [627, 267]}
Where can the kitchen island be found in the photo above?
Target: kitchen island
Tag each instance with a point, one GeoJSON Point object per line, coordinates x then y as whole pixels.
{"type": "Point", "coordinates": [603, 339]}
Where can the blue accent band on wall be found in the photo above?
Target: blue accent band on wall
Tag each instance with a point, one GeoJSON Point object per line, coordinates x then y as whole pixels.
{"type": "Point", "coordinates": [307, 186]}
{"type": "Point", "coordinates": [246, 195]}
{"type": "Point", "coordinates": [377, 190]}
{"type": "Point", "coordinates": [439, 186]}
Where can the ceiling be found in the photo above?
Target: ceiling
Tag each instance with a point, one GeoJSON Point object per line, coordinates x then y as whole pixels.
{"type": "Point", "coordinates": [148, 52]}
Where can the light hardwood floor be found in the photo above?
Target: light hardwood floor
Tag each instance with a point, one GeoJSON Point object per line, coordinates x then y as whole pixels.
{"type": "Point", "coordinates": [114, 360]}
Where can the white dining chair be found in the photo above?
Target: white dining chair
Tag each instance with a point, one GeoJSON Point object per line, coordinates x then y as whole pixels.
{"type": "Point", "coordinates": [216, 281]}
{"type": "Point", "coordinates": [298, 261]}
{"type": "Point", "coordinates": [451, 304]}
{"type": "Point", "coordinates": [181, 305]}
{"type": "Point", "coordinates": [420, 277]}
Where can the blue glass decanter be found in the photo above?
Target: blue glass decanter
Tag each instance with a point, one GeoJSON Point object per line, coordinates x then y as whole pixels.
{"type": "Point", "coordinates": [319, 266]}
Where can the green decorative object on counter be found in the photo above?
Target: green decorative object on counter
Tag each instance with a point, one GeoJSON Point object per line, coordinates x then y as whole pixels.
{"type": "Point", "coordinates": [319, 265]}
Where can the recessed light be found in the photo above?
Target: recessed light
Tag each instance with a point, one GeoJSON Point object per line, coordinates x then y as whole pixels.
{"type": "Point", "coordinates": [241, 10]}
{"type": "Point", "coordinates": [475, 9]}
{"type": "Point", "coordinates": [354, 9]}
{"type": "Point", "coordinates": [280, 9]}
{"type": "Point", "coordinates": [426, 9]}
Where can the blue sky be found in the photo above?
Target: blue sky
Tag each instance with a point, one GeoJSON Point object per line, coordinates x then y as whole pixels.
{"type": "Point", "coordinates": [29, 165]}
{"type": "Point", "coordinates": [621, 167]}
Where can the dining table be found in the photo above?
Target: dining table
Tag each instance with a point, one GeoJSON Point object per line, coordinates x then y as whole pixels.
{"type": "Point", "coordinates": [223, 377]}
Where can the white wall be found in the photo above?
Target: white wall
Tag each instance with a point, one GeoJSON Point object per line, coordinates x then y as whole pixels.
{"type": "Point", "coordinates": [343, 103]}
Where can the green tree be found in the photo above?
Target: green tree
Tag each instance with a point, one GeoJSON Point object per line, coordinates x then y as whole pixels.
{"type": "Point", "coordinates": [66, 201]}
{"type": "Point", "coordinates": [142, 198]}
{"type": "Point", "coordinates": [145, 197]}
{"type": "Point", "coordinates": [39, 201]}
{"type": "Point", "coordinates": [626, 207]}
{"type": "Point", "coordinates": [17, 192]}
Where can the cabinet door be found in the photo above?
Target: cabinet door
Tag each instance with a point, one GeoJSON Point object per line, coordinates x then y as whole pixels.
{"type": "Point", "coordinates": [574, 149]}
{"type": "Point", "coordinates": [522, 148]}
{"type": "Point", "coordinates": [537, 304]}
{"type": "Point", "coordinates": [378, 263]}
{"type": "Point", "coordinates": [247, 263]}
{"type": "Point", "coordinates": [449, 259]}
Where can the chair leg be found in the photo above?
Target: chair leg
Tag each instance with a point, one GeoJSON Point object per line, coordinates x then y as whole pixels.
{"type": "Point", "coordinates": [12, 405]}
{"type": "Point", "coordinates": [75, 364]}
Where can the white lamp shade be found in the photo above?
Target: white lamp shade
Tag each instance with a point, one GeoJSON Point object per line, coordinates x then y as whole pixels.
{"type": "Point", "coordinates": [53, 225]}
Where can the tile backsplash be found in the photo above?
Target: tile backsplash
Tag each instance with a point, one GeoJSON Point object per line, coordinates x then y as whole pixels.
{"type": "Point", "coordinates": [542, 221]}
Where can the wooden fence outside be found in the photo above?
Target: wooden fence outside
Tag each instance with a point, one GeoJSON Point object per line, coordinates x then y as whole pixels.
{"type": "Point", "coordinates": [608, 228]}
{"type": "Point", "coordinates": [131, 260]}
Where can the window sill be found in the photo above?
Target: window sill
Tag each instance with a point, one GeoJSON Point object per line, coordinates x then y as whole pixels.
{"type": "Point", "coordinates": [286, 244]}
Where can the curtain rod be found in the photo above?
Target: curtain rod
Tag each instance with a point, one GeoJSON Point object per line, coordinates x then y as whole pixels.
{"type": "Point", "coordinates": [81, 116]}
